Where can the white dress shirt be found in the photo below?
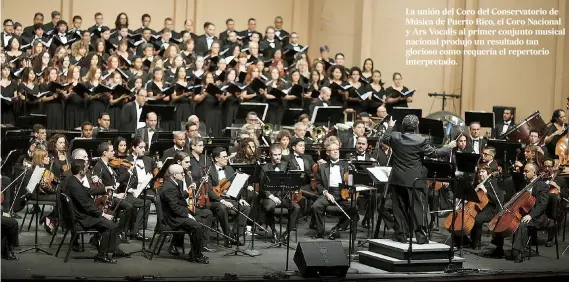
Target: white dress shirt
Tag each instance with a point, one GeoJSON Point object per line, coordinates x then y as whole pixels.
{"type": "Point", "coordinates": [139, 124]}
{"type": "Point", "coordinates": [335, 176]}
{"type": "Point", "coordinates": [209, 41]}
{"type": "Point", "coordinates": [220, 173]}
{"type": "Point", "coordinates": [62, 38]}
{"type": "Point", "coordinates": [150, 134]}
{"type": "Point", "coordinates": [300, 161]}
{"type": "Point", "coordinates": [476, 145]}
{"type": "Point", "coordinates": [505, 127]}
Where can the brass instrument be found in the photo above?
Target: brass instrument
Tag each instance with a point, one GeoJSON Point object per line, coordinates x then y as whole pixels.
{"type": "Point", "coordinates": [267, 129]}
{"type": "Point", "coordinates": [318, 134]}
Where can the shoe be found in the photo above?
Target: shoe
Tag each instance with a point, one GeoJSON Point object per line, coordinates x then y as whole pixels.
{"type": "Point", "coordinates": [77, 248]}
{"type": "Point", "coordinates": [47, 229]}
{"type": "Point", "coordinates": [199, 259]}
{"type": "Point", "coordinates": [138, 237]}
{"type": "Point", "coordinates": [333, 232]}
{"type": "Point", "coordinates": [274, 238]}
{"type": "Point", "coordinates": [318, 236]}
{"type": "Point", "coordinates": [400, 237]}
{"type": "Point", "coordinates": [208, 250]}
{"type": "Point", "coordinates": [236, 240]}
{"type": "Point", "coordinates": [104, 259]}
{"type": "Point", "coordinates": [284, 237]}
{"type": "Point", "coordinates": [173, 251]}
{"type": "Point", "coordinates": [365, 223]}
{"type": "Point", "coordinates": [496, 253]}
{"type": "Point", "coordinates": [9, 255]}
{"type": "Point", "coordinates": [549, 244]}
{"type": "Point", "coordinates": [227, 243]}
{"type": "Point", "coordinates": [421, 237]}
{"type": "Point", "coordinates": [123, 238]}
{"type": "Point", "coordinates": [121, 254]}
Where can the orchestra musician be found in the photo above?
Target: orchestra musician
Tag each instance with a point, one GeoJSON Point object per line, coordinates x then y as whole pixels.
{"type": "Point", "coordinates": [491, 189]}
{"type": "Point", "coordinates": [179, 145]}
{"type": "Point", "coordinates": [329, 181]}
{"type": "Point", "coordinates": [536, 218]}
{"type": "Point", "coordinates": [530, 156]}
{"type": "Point", "coordinates": [57, 148]}
{"type": "Point", "coordinates": [9, 237]}
{"type": "Point", "coordinates": [177, 214]}
{"type": "Point", "coordinates": [322, 101]}
{"type": "Point", "coordinates": [269, 201]}
{"type": "Point", "coordinates": [361, 150]}
{"type": "Point", "coordinates": [535, 139]}
{"type": "Point", "coordinates": [149, 132]}
{"type": "Point", "coordinates": [131, 111]}
{"type": "Point", "coordinates": [488, 154]}
{"type": "Point", "coordinates": [358, 130]}
{"type": "Point", "coordinates": [89, 216]}
{"type": "Point", "coordinates": [555, 130]}
{"type": "Point", "coordinates": [220, 205]}
{"type": "Point", "coordinates": [408, 150]}
{"type": "Point", "coordinates": [201, 213]}
{"type": "Point", "coordinates": [476, 142]}
{"type": "Point", "coordinates": [300, 130]}
{"type": "Point", "coordinates": [505, 125]}
{"type": "Point", "coordinates": [246, 152]}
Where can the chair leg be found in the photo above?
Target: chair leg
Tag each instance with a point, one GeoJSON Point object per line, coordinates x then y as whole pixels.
{"type": "Point", "coordinates": [61, 243]}
{"type": "Point", "coordinates": [155, 246]}
{"type": "Point", "coordinates": [183, 245]}
{"type": "Point", "coordinates": [54, 233]}
{"type": "Point", "coordinates": [162, 244]}
{"type": "Point", "coordinates": [31, 220]}
{"type": "Point", "coordinates": [28, 209]}
{"type": "Point", "coordinates": [152, 240]}
{"type": "Point", "coordinates": [83, 241]}
{"type": "Point", "coordinates": [556, 242]}
{"type": "Point", "coordinates": [564, 223]}
{"type": "Point", "coordinates": [73, 237]}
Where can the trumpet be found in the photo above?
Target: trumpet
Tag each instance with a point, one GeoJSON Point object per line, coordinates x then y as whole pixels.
{"type": "Point", "coordinates": [318, 134]}
{"type": "Point", "coordinates": [267, 129]}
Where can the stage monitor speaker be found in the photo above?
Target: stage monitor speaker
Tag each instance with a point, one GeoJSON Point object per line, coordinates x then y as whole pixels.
{"type": "Point", "coordinates": [320, 259]}
{"type": "Point", "coordinates": [499, 111]}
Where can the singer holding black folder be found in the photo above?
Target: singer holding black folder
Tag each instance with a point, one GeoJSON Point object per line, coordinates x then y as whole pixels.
{"type": "Point", "coordinates": [394, 97]}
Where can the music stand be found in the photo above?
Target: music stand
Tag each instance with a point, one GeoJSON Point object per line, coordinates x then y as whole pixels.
{"type": "Point", "coordinates": [253, 171]}
{"type": "Point", "coordinates": [347, 153]}
{"type": "Point", "coordinates": [112, 135]}
{"type": "Point", "coordinates": [505, 150]}
{"type": "Point", "coordinates": [165, 135]}
{"type": "Point", "coordinates": [89, 145]}
{"type": "Point", "coordinates": [399, 113]}
{"type": "Point", "coordinates": [290, 116]}
{"type": "Point", "coordinates": [433, 128]}
{"type": "Point", "coordinates": [166, 113]}
{"type": "Point", "coordinates": [158, 147]}
{"type": "Point", "coordinates": [436, 171]}
{"type": "Point", "coordinates": [28, 122]}
{"type": "Point", "coordinates": [486, 119]}
{"type": "Point", "coordinates": [327, 115]}
{"type": "Point", "coordinates": [259, 108]}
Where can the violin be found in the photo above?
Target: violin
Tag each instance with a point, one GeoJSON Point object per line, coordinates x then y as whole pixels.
{"type": "Point", "coordinates": [202, 197]}
{"type": "Point", "coordinates": [345, 192]}
{"type": "Point", "coordinates": [507, 221]}
{"type": "Point", "coordinates": [314, 179]}
{"type": "Point", "coordinates": [191, 198]}
{"type": "Point", "coordinates": [223, 185]}
{"type": "Point", "coordinates": [118, 162]}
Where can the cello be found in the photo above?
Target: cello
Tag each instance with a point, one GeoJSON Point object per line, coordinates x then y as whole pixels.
{"type": "Point", "coordinates": [465, 215]}
{"type": "Point", "coordinates": [561, 147]}
{"type": "Point", "coordinates": [507, 221]}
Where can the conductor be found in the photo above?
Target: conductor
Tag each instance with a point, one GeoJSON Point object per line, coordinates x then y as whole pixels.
{"type": "Point", "coordinates": [409, 149]}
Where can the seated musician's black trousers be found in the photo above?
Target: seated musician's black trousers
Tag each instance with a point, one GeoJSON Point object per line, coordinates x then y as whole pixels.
{"type": "Point", "coordinates": [142, 212]}
{"type": "Point", "coordinates": [319, 208]}
{"type": "Point", "coordinates": [205, 217]}
{"type": "Point", "coordinates": [269, 206]}
{"type": "Point", "coordinates": [123, 212]}
{"type": "Point", "coordinates": [195, 230]}
{"type": "Point", "coordinates": [222, 213]}
{"type": "Point", "coordinates": [9, 233]}
{"type": "Point", "coordinates": [520, 238]}
{"type": "Point", "coordinates": [109, 236]}
{"type": "Point", "coordinates": [484, 216]}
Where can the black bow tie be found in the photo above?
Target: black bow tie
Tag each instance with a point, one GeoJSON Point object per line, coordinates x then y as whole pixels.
{"type": "Point", "coordinates": [298, 157]}
{"type": "Point", "coordinates": [334, 164]}
{"type": "Point", "coordinates": [151, 129]}
{"type": "Point", "coordinates": [507, 123]}
{"type": "Point", "coordinates": [362, 154]}
{"type": "Point", "coordinates": [140, 107]}
{"type": "Point", "coordinates": [220, 169]}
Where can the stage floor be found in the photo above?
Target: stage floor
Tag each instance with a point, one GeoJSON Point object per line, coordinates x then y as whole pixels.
{"type": "Point", "coordinates": [271, 261]}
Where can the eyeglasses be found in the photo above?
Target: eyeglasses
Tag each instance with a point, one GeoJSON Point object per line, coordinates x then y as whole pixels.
{"type": "Point", "coordinates": [333, 150]}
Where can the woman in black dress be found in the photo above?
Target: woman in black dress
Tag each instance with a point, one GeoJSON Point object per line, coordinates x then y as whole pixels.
{"type": "Point", "coordinates": [155, 89]}
{"type": "Point", "coordinates": [292, 101]}
{"type": "Point", "coordinates": [75, 113]}
{"type": "Point", "coordinates": [378, 93]}
{"type": "Point", "coordinates": [276, 107]}
{"type": "Point", "coordinates": [91, 61]}
{"type": "Point", "coordinates": [14, 52]}
{"type": "Point", "coordinates": [367, 69]}
{"type": "Point", "coordinates": [188, 52]}
{"type": "Point", "coordinates": [556, 130]}
{"type": "Point", "coordinates": [52, 105]}
{"type": "Point", "coordinates": [249, 95]}
{"type": "Point", "coordinates": [231, 104]}
{"type": "Point", "coordinates": [115, 105]}
{"type": "Point", "coordinates": [353, 100]}
{"type": "Point", "coordinates": [28, 91]}
{"type": "Point", "coordinates": [97, 103]}
{"type": "Point", "coordinates": [394, 97]}
{"type": "Point", "coordinates": [337, 77]}
{"type": "Point", "coordinates": [58, 147]}
{"type": "Point", "coordinates": [121, 148]}
{"type": "Point", "coordinates": [315, 84]}
{"type": "Point", "coordinates": [208, 107]}
{"type": "Point", "coordinates": [8, 92]}
{"type": "Point", "coordinates": [112, 66]}
{"type": "Point", "coordinates": [182, 97]}
{"type": "Point", "coordinates": [319, 67]}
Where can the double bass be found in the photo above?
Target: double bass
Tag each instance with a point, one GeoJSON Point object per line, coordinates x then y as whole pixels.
{"type": "Point", "coordinates": [507, 221]}
{"type": "Point", "coordinates": [562, 146]}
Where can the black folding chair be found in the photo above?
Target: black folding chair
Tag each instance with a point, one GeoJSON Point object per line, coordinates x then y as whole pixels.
{"type": "Point", "coordinates": [162, 230]}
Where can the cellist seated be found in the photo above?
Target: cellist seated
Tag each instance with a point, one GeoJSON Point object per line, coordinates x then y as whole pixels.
{"type": "Point", "coordinates": [490, 188]}
{"type": "Point", "coordinates": [536, 218]}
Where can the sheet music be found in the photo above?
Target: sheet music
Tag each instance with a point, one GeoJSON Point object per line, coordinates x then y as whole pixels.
{"type": "Point", "coordinates": [366, 95]}
{"type": "Point", "coordinates": [381, 173]}
{"type": "Point", "coordinates": [143, 181]}
{"type": "Point", "coordinates": [238, 183]}
{"type": "Point", "coordinates": [361, 187]}
{"type": "Point", "coordinates": [35, 179]}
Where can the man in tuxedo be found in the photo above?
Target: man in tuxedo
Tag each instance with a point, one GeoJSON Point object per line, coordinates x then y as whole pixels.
{"type": "Point", "coordinates": [189, 28]}
{"type": "Point", "coordinates": [103, 173]}
{"type": "Point", "coordinates": [179, 146]}
{"type": "Point", "coordinates": [104, 122]}
{"type": "Point", "coordinates": [475, 143]}
{"type": "Point", "coordinates": [536, 218]}
{"type": "Point", "coordinates": [149, 133]}
{"type": "Point", "coordinates": [89, 216]}
{"type": "Point", "coordinates": [409, 148]}
{"type": "Point", "coordinates": [270, 44]}
{"type": "Point", "coordinates": [221, 204]}
{"type": "Point", "coordinates": [177, 214]}
{"type": "Point", "coordinates": [224, 35]}
{"type": "Point", "coordinates": [361, 150]}
{"type": "Point", "coordinates": [202, 128]}
{"type": "Point", "coordinates": [130, 114]}
{"type": "Point", "coordinates": [145, 20]}
{"type": "Point", "coordinates": [300, 133]}
{"type": "Point", "coordinates": [281, 33]}
{"type": "Point", "coordinates": [329, 185]}
{"type": "Point", "coordinates": [488, 154]}
{"type": "Point", "coordinates": [269, 201]}
{"type": "Point", "coordinates": [97, 28]}
{"type": "Point", "coordinates": [7, 33]}
{"type": "Point", "coordinates": [29, 30]}
{"type": "Point", "coordinates": [358, 130]}
{"type": "Point", "coordinates": [61, 38]}
{"type": "Point", "coordinates": [505, 125]}
{"type": "Point", "coordinates": [191, 132]}
{"type": "Point", "coordinates": [55, 18]}
{"type": "Point", "coordinates": [122, 34]}
{"type": "Point", "coordinates": [247, 34]}
{"type": "Point", "coordinates": [322, 101]}
{"type": "Point", "coordinates": [292, 46]}
{"type": "Point", "coordinates": [203, 42]}
{"type": "Point", "coordinates": [304, 162]}
{"type": "Point", "coordinates": [87, 130]}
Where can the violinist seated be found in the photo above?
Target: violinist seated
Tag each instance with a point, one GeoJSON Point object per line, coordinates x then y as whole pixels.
{"type": "Point", "coordinates": [301, 161]}
{"type": "Point", "coordinates": [177, 214]}
{"type": "Point", "coordinates": [9, 237]}
{"type": "Point", "coordinates": [109, 181]}
{"type": "Point", "coordinates": [141, 165]}
{"type": "Point", "coordinates": [490, 188]}
{"type": "Point", "coordinates": [530, 157]}
{"type": "Point", "coordinates": [329, 181]}
{"type": "Point", "coordinates": [557, 185]}
{"type": "Point", "coordinates": [535, 139]}
{"type": "Point", "coordinates": [45, 190]}
{"type": "Point", "coordinates": [270, 200]}
{"type": "Point", "coordinates": [488, 154]}
{"type": "Point", "coordinates": [246, 153]}
{"type": "Point", "coordinates": [201, 213]}
{"type": "Point", "coordinates": [357, 131]}
{"type": "Point", "coordinates": [535, 218]}
{"type": "Point", "coordinates": [220, 205]}
{"type": "Point", "coordinates": [179, 146]}
{"type": "Point", "coordinates": [149, 132]}
{"type": "Point", "coordinates": [57, 147]}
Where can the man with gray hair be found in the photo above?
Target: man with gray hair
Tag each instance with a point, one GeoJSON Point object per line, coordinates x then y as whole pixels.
{"type": "Point", "coordinates": [300, 133]}
{"type": "Point", "coordinates": [409, 148]}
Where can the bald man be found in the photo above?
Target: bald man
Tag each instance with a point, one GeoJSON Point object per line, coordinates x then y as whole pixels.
{"type": "Point", "coordinates": [179, 146]}
{"type": "Point", "coordinates": [149, 133]}
{"type": "Point", "coordinates": [177, 214]}
{"type": "Point", "coordinates": [322, 101]}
